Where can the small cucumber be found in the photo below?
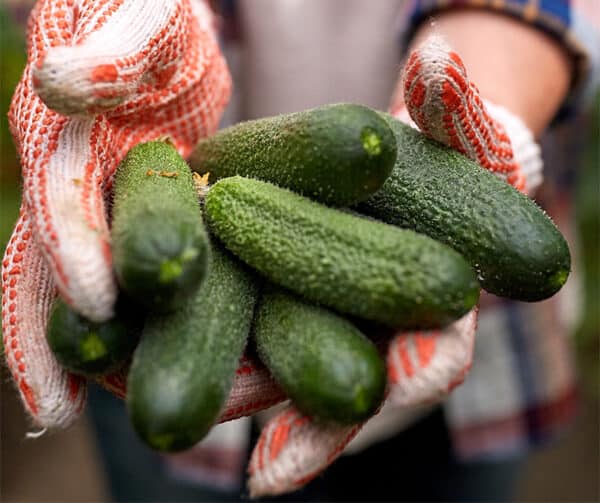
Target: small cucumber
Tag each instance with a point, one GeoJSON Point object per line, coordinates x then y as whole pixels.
{"type": "Point", "coordinates": [349, 263]}
{"type": "Point", "coordinates": [515, 248]}
{"type": "Point", "coordinates": [325, 365]}
{"type": "Point", "coordinates": [159, 243]}
{"type": "Point", "coordinates": [184, 365]}
{"type": "Point", "coordinates": [90, 348]}
{"type": "Point", "coordinates": [336, 154]}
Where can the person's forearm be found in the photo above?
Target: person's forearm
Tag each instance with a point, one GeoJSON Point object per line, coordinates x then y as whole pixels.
{"type": "Point", "coordinates": [513, 64]}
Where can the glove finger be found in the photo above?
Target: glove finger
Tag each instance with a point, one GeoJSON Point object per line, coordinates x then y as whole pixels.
{"type": "Point", "coordinates": [52, 396]}
{"type": "Point", "coordinates": [63, 173]}
{"type": "Point", "coordinates": [190, 116]}
{"type": "Point", "coordinates": [253, 390]}
{"type": "Point", "coordinates": [202, 75]}
{"type": "Point", "coordinates": [292, 450]}
{"type": "Point", "coordinates": [423, 367]}
{"type": "Point", "coordinates": [527, 152]}
{"type": "Point", "coordinates": [447, 107]}
{"type": "Point", "coordinates": [185, 119]}
{"type": "Point", "coordinates": [50, 25]}
{"type": "Point", "coordinates": [115, 49]}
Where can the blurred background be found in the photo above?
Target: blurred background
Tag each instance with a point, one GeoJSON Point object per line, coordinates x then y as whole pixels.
{"type": "Point", "coordinates": [65, 466]}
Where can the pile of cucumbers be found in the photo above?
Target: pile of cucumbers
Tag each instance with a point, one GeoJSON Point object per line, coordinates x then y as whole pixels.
{"type": "Point", "coordinates": [313, 223]}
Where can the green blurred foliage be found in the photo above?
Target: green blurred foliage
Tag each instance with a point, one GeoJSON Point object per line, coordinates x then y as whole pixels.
{"type": "Point", "coordinates": [12, 62]}
{"type": "Point", "coordinates": [587, 213]}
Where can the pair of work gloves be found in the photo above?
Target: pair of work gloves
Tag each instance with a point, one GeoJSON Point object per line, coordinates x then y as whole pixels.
{"type": "Point", "coordinates": [104, 76]}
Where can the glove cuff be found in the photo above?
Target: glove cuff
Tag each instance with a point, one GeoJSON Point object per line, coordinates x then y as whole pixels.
{"type": "Point", "coordinates": [526, 151]}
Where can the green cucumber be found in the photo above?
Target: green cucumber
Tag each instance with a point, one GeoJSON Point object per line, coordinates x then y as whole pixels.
{"type": "Point", "coordinates": [337, 154]}
{"type": "Point", "coordinates": [159, 243]}
{"type": "Point", "coordinates": [515, 248]}
{"type": "Point", "coordinates": [349, 263]}
{"type": "Point", "coordinates": [184, 365]}
{"type": "Point", "coordinates": [89, 348]}
{"type": "Point", "coordinates": [327, 367]}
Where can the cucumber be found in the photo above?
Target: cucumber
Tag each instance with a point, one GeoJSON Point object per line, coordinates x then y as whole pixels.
{"type": "Point", "coordinates": [89, 348]}
{"type": "Point", "coordinates": [184, 365]}
{"type": "Point", "coordinates": [324, 364]}
{"type": "Point", "coordinates": [159, 243]}
{"type": "Point", "coordinates": [352, 264]}
{"type": "Point", "coordinates": [515, 248]}
{"type": "Point", "coordinates": [337, 154]}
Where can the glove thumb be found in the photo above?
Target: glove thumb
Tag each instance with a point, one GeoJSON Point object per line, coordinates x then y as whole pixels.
{"type": "Point", "coordinates": [116, 49]}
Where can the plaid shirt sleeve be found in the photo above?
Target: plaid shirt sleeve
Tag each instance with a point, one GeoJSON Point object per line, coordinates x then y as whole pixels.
{"type": "Point", "coordinates": [521, 390]}
{"type": "Point", "coordinates": [575, 24]}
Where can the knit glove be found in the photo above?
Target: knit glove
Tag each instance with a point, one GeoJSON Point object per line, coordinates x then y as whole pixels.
{"type": "Point", "coordinates": [435, 95]}
{"type": "Point", "coordinates": [101, 77]}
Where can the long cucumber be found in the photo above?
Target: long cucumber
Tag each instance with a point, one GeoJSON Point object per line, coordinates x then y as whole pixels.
{"type": "Point", "coordinates": [349, 263]}
{"type": "Point", "coordinates": [184, 365]}
{"type": "Point", "coordinates": [336, 154]}
{"type": "Point", "coordinates": [515, 248]}
{"type": "Point", "coordinates": [325, 365]}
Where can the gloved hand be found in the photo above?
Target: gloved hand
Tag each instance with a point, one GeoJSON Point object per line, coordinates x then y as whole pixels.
{"type": "Point", "coordinates": [423, 367]}
{"type": "Point", "coordinates": [100, 78]}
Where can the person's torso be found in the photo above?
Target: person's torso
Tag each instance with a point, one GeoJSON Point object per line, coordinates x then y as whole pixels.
{"type": "Point", "coordinates": [298, 54]}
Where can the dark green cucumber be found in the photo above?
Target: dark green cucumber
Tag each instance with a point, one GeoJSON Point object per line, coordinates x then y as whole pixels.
{"type": "Point", "coordinates": [90, 348]}
{"type": "Point", "coordinates": [337, 154]}
{"type": "Point", "coordinates": [324, 364]}
{"type": "Point", "coordinates": [516, 249]}
{"type": "Point", "coordinates": [159, 243]}
{"type": "Point", "coordinates": [184, 365]}
{"type": "Point", "coordinates": [352, 264]}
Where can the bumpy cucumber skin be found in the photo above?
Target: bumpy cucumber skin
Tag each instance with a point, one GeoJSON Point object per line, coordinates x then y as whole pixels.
{"type": "Point", "coordinates": [184, 365]}
{"type": "Point", "coordinates": [515, 248]}
{"type": "Point", "coordinates": [336, 154]}
{"type": "Point", "coordinates": [325, 365]}
{"type": "Point", "coordinates": [349, 263]}
{"type": "Point", "coordinates": [159, 243]}
{"type": "Point", "coordinates": [90, 348]}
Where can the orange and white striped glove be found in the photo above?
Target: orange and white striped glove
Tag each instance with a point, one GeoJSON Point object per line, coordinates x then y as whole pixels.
{"type": "Point", "coordinates": [436, 96]}
{"type": "Point", "coordinates": [253, 389]}
{"type": "Point", "coordinates": [101, 76]}
{"type": "Point", "coordinates": [423, 367]}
